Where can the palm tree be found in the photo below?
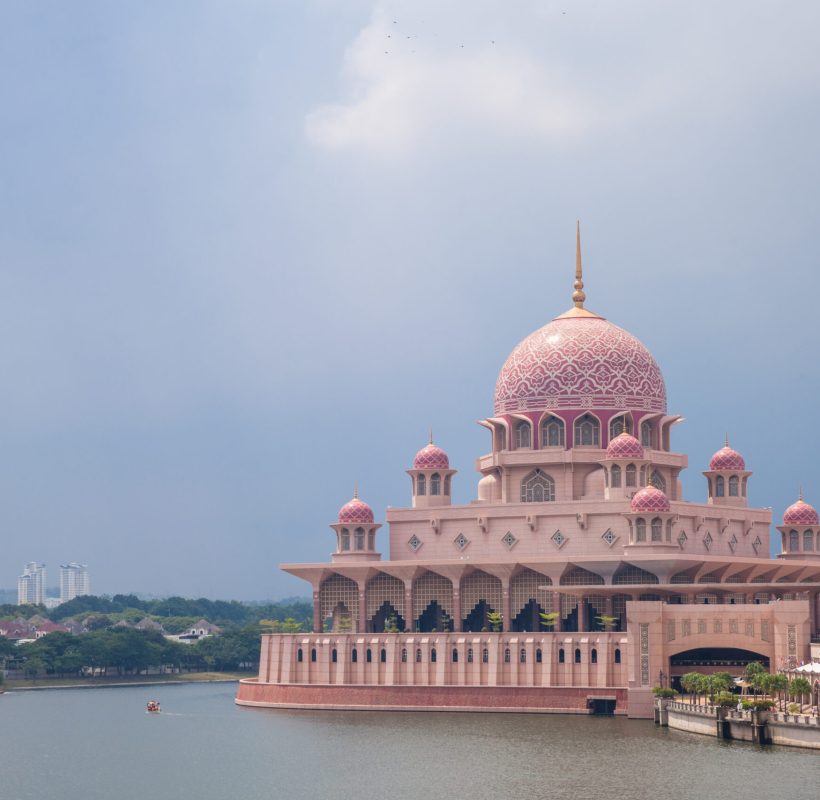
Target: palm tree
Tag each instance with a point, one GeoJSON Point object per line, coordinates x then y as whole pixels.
{"type": "Point", "coordinates": [800, 687]}
{"type": "Point", "coordinates": [691, 683]}
{"type": "Point", "coordinates": [548, 620]}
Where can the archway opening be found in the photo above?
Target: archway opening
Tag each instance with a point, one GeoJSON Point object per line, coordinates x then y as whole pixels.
{"type": "Point", "coordinates": [434, 618]}
{"type": "Point", "coordinates": [386, 619]}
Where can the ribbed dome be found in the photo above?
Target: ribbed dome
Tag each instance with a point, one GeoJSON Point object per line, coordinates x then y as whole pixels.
{"type": "Point", "coordinates": [800, 513]}
{"type": "Point", "coordinates": [355, 511]}
{"type": "Point", "coordinates": [431, 457]}
{"type": "Point", "coordinates": [624, 445]}
{"type": "Point", "coordinates": [580, 360]}
{"type": "Point", "coordinates": [727, 459]}
{"type": "Point", "coordinates": [649, 499]}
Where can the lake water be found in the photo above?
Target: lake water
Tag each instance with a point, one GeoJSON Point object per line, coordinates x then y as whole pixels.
{"type": "Point", "coordinates": [99, 744]}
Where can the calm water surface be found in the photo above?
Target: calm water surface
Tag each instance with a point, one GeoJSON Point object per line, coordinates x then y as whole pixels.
{"type": "Point", "coordinates": [100, 744]}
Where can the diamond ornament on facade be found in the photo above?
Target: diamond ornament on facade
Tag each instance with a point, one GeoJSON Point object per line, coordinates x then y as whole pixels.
{"type": "Point", "coordinates": [609, 537]}
{"type": "Point", "coordinates": [707, 540]}
{"type": "Point", "coordinates": [682, 539]}
{"type": "Point", "coordinates": [756, 543]}
{"type": "Point", "coordinates": [414, 543]}
{"type": "Point", "coordinates": [733, 543]}
{"type": "Point", "coordinates": [509, 540]}
{"type": "Point", "coordinates": [558, 539]}
{"type": "Point", "coordinates": [461, 541]}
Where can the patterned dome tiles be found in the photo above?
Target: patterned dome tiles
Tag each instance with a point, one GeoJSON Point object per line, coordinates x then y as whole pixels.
{"type": "Point", "coordinates": [580, 363]}
{"type": "Point", "coordinates": [625, 446]}
{"type": "Point", "coordinates": [355, 511]}
{"type": "Point", "coordinates": [431, 457]}
{"type": "Point", "coordinates": [649, 499]}
{"type": "Point", "coordinates": [801, 513]}
{"type": "Point", "coordinates": [727, 459]}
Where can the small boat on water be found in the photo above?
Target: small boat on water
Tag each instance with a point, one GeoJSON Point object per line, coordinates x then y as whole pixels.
{"type": "Point", "coordinates": [153, 707]}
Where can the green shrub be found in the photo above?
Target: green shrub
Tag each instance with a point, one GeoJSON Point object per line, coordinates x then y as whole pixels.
{"type": "Point", "coordinates": [726, 699]}
{"type": "Point", "coordinates": [757, 705]}
{"type": "Point", "coordinates": [794, 708]}
{"type": "Point", "coordinates": [662, 691]}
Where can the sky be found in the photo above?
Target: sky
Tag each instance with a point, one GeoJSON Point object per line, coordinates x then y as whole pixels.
{"type": "Point", "coordinates": [250, 252]}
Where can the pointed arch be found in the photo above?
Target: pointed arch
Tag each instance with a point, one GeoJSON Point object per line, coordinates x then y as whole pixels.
{"type": "Point", "coordinates": [552, 431]}
{"type": "Point", "coordinates": [339, 600]}
{"type": "Point", "coordinates": [537, 487]}
{"type": "Point", "coordinates": [587, 431]}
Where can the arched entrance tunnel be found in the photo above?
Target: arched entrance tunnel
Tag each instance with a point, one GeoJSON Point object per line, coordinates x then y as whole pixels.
{"type": "Point", "coordinates": [709, 660]}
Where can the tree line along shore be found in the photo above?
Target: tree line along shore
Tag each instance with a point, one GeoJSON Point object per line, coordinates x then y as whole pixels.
{"type": "Point", "coordinates": [122, 638]}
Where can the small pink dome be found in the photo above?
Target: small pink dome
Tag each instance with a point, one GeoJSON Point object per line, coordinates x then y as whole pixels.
{"type": "Point", "coordinates": [624, 445]}
{"type": "Point", "coordinates": [431, 457]}
{"type": "Point", "coordinates": [727, 459]}
{"type": "Point", "coordinates": [649, 499]}
{"type": "Point", "coordinates": [800, 513]}
{"type": "Point", "coordinates": [355, 511]}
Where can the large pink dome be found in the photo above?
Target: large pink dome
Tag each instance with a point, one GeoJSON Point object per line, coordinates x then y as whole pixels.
{"type": "Point", "coordinates": [624, 445]}
{"type": "Point", "coordinates": [727, 459]}
{"type": "Point", "coordinates": [355, 511]}
{"type": "Point", "coordinates": [580, 361]}
{"type": "Point", "coordinates": [649, 499]}
{"type": "Point", "coordinates": [431, 457]}
{"type": "Point", "coordinates": [800, 513]}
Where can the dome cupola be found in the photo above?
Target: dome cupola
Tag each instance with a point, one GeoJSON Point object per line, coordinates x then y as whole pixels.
{"type": "Point", "coordinates": [727, 460]}
{"type": "Point", "coordinates": [648, 500]}
{"type": "Point", "coordinates": [355, 532]}
{"type": "Point", "coordinates": [625, 446]}
{"type": "Point", "coordinates": [800, 531]}
{"type": "Point", "coordinates": [431, 477]}
{"type": "Point", "coordinates": [356, 511]}
{"type": "Point", "coordinates": [727, 477]}
{"type": "Point", "coordinates": [800, 513]}
{"type": "Point", "coordinates": [431, 456]}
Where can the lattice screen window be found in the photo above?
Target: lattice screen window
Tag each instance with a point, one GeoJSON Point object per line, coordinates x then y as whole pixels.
{"type": "Point", "coordinates": [525, 586]}
{"type": "Point", "coordinates": [537, 487]}
{"type": "Point", "coordinates": [681, 577]}
{"type": "Point", "coordinates": [598, 604]}
{"type": "Point", "coordinates": [735, 579]}
{"type": "Point", "coordinates": [578, 576]}
{"type": "Point", "coordinates": [384, 588]}
{"type": "Point", "coordinates": [630, 574]}
{"type": "Point", "coordinates": [709, 578]}
{"type": "Point", "coordinates": [619, 606]}
{"type": "Point", "coordinates": [477, 586]}
{"type": "Point", "coordinates": [339, 598]}
{"type": "Point", "coordinates": [429, 587]}
{"type": "Point", "coordinates": [568, 604]}
{"type": "Point", "coordinates": [657, 480]}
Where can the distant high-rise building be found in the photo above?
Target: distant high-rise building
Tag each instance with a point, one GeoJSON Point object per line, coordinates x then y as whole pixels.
{"type": "Point", "coordinates": [31, 585]}
{"type": "Point", "coordinates": [73, 581]}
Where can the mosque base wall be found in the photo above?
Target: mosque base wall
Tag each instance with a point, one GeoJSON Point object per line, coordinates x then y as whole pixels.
{"type": "Point", "coordinates": [516, 699]}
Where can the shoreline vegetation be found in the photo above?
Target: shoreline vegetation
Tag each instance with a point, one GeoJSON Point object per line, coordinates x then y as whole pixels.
{"type": "Point", "coordinates": [120, 681]}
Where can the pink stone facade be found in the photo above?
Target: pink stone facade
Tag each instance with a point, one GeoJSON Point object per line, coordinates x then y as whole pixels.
{"type": "Point", "coordinates": [578, 574]}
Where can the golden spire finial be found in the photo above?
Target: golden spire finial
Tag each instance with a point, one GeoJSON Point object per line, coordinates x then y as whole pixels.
{"type": "Point", "coordinates": [356, 490]}
{"type": "Point", "coordinates": [727, 439]}
{"type": "Point", "coordinates": [800, 496]}
{"type": "Point", "coordinates": [578, 295]}
{"type": "Point", "coordinates": [431, 436]}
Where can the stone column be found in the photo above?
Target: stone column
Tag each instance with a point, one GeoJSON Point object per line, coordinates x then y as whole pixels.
{"type": "Point", "coordinates": [583, 614]}
{"type": "Point", "coordinates": [317, 612]}
{"type": "Point", "coordinates": [505, 605]}
{"type": "Point", "coordinates": [457, 624]}
{"type": "Point", "coordinates": [556, 606]}
{"type": "Point", "coordinates": [408, 606]}
{"type": "Point", "coordinates": [361, 626]}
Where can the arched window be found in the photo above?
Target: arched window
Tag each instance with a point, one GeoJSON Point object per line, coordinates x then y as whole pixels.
{"type": "Point", "coordinates": [631, 475]}
{"type": "Point", "coordinates": [657, 530]}
{"type": "Point", "coordinates": [485, 656]}
{"type": "Point", "coordinates": [619, 424]}
{"type": "Point", "coordinates": [577, 655]}
{"type": "Point", "coordinates": [539, 656]}
{"type": "Point", "coordinates": [502, 438]}
{"type": "Point", "coordinates": [359, 536]}
{"type": "Point", "coordinates": [615, 476]}
{"type": "Point", "coordinates": [433, 655]}
{"type": "Point", "coordinates": [299, 655]}
{"type": "Point", "coordinates": [313, 654]}
{"type": "Point", "coordinates": [435, 483]}
{"type": "Point", "coordinates": [383, 656]}
{"type": "Point", "coordinates": [334, 656]}
{"type": "Point", "coordinates": [640, 529]}
{"type": "Point", "coordinates": [808, 540]}
{"type": "Point", "coordinates": [404, 655]}
{"type": "Point", "coordinates": [369, 656]}
{"type": "Point", "coordinates": [646, 434]}
{"type": "Point", "coordinates": [371, 540]}
{"type": "Point", "coordinates": [587, 431]}
{"type": "Point", "coordinates": [522, 656]}
{"type": "Point", "coordinates": [345, 539]}
{"type": "Point", "coordinates": [447, 485]}
{"type": "Point", "coordinates": [643, 476]}
{"type": "Point", "coordinates": [657, 480]}
{"type": "Point", "coordinates": [455, 656]}
{"type": "Point", "coordinates": [418, 656]}
{"type": "Point", "coordinates": [470, 655]}
{"type": "Point", "coordinates": [421, 485]}
{"type": "Point", "coordinates": [794, 542]}
{"type": "Point", "coordinates": [561, 657]}
{"type": "Point", "coordinates": [733, 486]}
{"type": "Point", "coordinates": [617, 655]}
{"type": "Point", "coordinates": [720, 486]}
{"type": "Point", "coordinates": [593, 656]}
{"type": "Point", "coordinates": [523, 434]}
{"type": "Point", "coordinates": [552, 432]}
{"type": "Point", "coordinates": [506, 655]}
{"type": "Point", "coordinates": [354, 655]}
{"type": "Point", "coordinates": [669, 531]}
{"type": "Point", "coordinates": [537, 487]}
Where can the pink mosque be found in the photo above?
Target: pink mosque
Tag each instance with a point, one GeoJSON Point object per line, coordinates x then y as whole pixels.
{"type": "Point", "coordinates": [576, 581]}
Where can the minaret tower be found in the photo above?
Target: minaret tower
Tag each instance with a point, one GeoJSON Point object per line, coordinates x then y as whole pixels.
{"type": "Point", "coordinates": [727, 477]}
{"type": "Point", "coordinates": [356, 532]}
{"type": "Point", "coordinates": [431, 477]}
